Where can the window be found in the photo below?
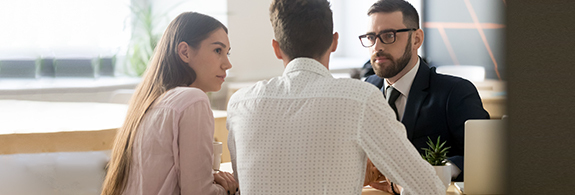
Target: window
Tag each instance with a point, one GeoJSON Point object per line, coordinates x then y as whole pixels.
{"type": "Point", "coordinates": [63, 28]}
{"type": "Point", "coordinates": [71, 38]}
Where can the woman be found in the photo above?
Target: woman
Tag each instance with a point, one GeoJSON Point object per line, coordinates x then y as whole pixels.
{"type": "Point", "coordinates": [165, 144]}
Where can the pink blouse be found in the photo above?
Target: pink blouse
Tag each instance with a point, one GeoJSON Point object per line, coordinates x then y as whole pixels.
{"type": "Point", "coordinates": [172, 152]}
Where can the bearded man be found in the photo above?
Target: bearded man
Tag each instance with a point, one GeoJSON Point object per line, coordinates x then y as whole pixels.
{"type": "Point", "coordinates": [428, 104]}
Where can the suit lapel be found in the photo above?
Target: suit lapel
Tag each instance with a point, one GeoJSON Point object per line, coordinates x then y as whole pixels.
{"type": "Point", "coordinates": [375, 80]}
{"type": "Point", "coordinates": [378, 82]}
{"type": "Point", "coordinates": [417, 95]}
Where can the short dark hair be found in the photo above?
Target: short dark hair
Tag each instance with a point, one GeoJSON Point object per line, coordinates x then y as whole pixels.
{"type": "Point", "coordinates": [303, 28]}
{"type": "Point", "coordinates": [410, 16]}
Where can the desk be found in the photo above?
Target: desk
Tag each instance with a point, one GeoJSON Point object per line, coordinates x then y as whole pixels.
{"type": "Point", "coordinates": [494, 102]}
{"type": "Point", "coordinates": [221, 133]}
{"type": "Point", "coordinates": [493, 97]}
{"type": "Point", "coordinates": [38, 127]}
{"type": "Point", "coordinates": [451, 190]}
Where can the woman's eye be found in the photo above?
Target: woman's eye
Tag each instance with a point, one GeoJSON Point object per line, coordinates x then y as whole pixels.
{"type": "Point", "coordinates": [218, 50]}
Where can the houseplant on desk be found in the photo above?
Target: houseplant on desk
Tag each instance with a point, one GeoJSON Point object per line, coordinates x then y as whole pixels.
{"type": "Point", "coordinates": [436, 155]}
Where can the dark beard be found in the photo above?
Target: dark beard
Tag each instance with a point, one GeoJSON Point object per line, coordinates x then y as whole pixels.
{"type": "Point", "coordinates": [396, 66]}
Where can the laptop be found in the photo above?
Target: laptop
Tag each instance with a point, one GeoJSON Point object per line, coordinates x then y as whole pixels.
{"type": "Point", "coordinates": [484, 157]}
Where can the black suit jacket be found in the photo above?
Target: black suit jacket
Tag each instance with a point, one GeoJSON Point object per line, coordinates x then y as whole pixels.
{"type": "Point", "coordinates": [439, 105]}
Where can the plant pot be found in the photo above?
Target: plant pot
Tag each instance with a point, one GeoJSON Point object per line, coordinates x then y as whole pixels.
{"type": "Point", "coordinates": [444, 173]}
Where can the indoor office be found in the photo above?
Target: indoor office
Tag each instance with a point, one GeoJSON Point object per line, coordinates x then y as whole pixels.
{"type": "Point", "coordinates": [68, 70]}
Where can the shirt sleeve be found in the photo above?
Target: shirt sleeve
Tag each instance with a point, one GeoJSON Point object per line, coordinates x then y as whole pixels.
{"type": "Point", "coordinates": [385, 143]}
{"type": "Point", "coordinates": [196, 134]}
{"type": "Point", "coordinates": [232, 149]}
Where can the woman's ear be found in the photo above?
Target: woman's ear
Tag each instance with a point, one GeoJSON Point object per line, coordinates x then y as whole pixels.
{"type": "Point", "coordinates": [184, 51]}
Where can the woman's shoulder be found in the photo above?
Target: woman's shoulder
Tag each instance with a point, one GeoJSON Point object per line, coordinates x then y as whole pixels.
{"type": "Point", "coordinates": [182, 97]}
{"type": "Point", "coordinates": [188, 92]}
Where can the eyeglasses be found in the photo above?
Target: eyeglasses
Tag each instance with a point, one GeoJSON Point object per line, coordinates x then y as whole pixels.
{"type": "Point", "coordinates": [386, 37]}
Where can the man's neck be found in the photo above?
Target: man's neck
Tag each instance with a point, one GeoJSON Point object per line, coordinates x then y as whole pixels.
{"type": "Point", "coordinates": [324, 60]}
{"type": "Point", "coordinates": [410, 65]}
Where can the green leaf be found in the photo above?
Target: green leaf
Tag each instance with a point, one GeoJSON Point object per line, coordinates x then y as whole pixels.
{"type": "Point", "coordinates": [145, 24]}
{"type": "Point", "coordinates": [436, 153]}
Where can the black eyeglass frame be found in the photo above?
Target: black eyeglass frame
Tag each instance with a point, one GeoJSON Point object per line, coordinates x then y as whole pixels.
{"type": "Point", "coordinates": [378, 36]}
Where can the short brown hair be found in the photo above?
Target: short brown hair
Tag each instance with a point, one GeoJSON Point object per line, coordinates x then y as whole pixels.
{"type": "Point", "coordinates": [410, 16]}
{"type": "Point", "coordinates": [303, 28]}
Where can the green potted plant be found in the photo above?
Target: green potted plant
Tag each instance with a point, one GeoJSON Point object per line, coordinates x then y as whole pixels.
{"type": "Point", "coordinates": [147, 29]}
{"type": "Point", "coordinates": [144, 36]}
{"type": "Point", "coordinates": [436, 155]}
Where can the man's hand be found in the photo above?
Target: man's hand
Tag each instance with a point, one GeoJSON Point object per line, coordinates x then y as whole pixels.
{"type": "Point", "coordinates": [371, 173]}
{"type": "Point", "coordinates": [386, 186]}
{"type": "Point", "coordinates": [375, 179]}
{"type": "Point", "coordinates": [383, 185]}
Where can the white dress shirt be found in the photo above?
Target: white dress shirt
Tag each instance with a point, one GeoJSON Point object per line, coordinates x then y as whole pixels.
{"type": "Point", "coordinates": [307, 133]}
{"type": "Point", "coordinates": [403, 85]}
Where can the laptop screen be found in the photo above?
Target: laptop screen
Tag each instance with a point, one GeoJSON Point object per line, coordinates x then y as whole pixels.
{"type": "Point", "coordinates": [484, 157]}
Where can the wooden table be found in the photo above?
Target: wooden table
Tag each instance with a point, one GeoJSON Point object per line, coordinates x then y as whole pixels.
{"type": "Point", "coordinates": [38, 127]}
{"type": "Point", "coordinates": [493, 95]}
{"type": "Point", "coordinates": [451, 190]}
{"type": "Point", "coordinates": [221, 133]}
{"type": "Point", "coordinates": [494, 102]}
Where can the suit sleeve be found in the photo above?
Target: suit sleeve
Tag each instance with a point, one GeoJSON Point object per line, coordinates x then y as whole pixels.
{"type": "Point", "coordinates": [385, 142]}
{"type": "Point", "coordinates": [196, 151]}
{"type": "Point", "coordinates": [464, 103]}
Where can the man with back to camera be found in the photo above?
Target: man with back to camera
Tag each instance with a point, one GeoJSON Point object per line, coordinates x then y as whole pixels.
{"type": "Point", "coordinates": [427, 103]}
{"type": "Point", "coordinates": [306, 132]}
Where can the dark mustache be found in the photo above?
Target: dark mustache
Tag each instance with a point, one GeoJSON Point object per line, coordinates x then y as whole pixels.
{"type": "Point", "coordinates": [381, 53]}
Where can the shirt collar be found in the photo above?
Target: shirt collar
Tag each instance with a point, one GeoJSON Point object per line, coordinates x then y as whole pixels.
{"type": "Point", "coordinates": [403, 85]}
{"type": "Point", "coordinates": [306, 64]}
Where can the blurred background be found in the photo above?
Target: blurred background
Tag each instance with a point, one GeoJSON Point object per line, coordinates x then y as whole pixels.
{"type": "Point", "coordinates": [69, 67]}
{"type": "Point", "coordinates": [52, 50]}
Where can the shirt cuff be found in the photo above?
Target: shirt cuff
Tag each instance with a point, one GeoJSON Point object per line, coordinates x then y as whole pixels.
{"type": "Point", "coordinates": [455, 171]}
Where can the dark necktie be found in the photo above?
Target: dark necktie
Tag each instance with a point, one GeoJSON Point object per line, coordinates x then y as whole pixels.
{"type": "Point", "coordinates": [392, 98]}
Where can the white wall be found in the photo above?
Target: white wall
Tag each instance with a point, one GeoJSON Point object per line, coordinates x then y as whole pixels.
{"type": "Point", "coordinates": [251, 37]}
{"type": "Point", "coordinates": [251, 34]}
{"type": "Point", "coordinates": [418, 5]}
{"type": "Point", "coordinates": [173, 8]}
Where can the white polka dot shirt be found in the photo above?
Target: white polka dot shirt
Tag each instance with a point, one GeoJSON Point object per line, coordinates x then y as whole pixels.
{"type": "Point", "coordinates": [306, 132]}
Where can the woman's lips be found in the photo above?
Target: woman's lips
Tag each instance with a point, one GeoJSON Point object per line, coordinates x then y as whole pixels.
{"type": "Point", "coordinates": [222, 77]}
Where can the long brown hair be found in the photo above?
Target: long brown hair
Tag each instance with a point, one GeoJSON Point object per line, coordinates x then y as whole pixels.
{"type": "Point", "coordinates": [165, 71]}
